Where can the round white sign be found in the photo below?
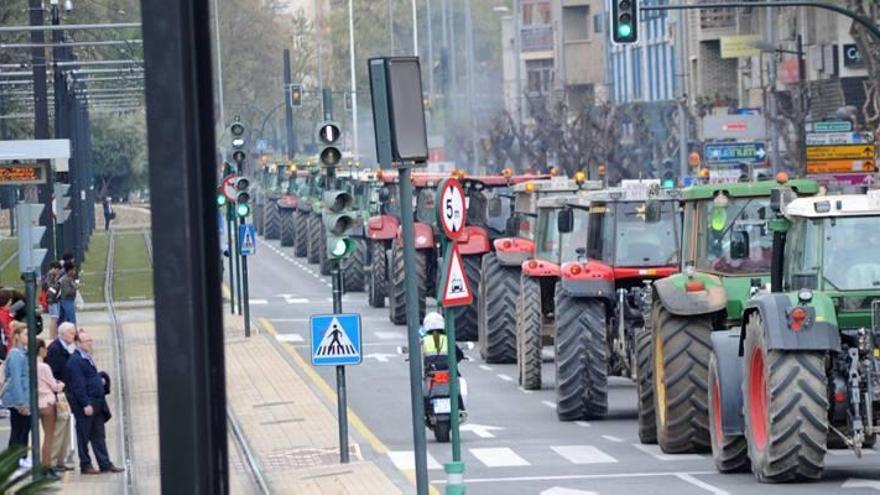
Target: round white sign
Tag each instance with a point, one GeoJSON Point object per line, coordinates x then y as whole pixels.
{"type": "Point", "coordinates": [452, 208]}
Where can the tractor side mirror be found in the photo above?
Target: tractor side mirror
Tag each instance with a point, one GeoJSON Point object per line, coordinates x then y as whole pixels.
{"type": "Point", "coordinates": [565, 220]}
{"type": "Point", "coordinates": [739, 245]}
{"type": "Point", "coordinates": [652, 211]}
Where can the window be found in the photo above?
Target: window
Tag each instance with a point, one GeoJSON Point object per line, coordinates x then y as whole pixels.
{"type": "Point", "coordinates": [576, 22]}
{"type": "Point", "coordinates": [598, 23]}
{"type": "Point", "coordinates": [548, 237]}
{"type": "Point", "coordinates": [734, 237]}
{"type": "Point", "coordinates": [539, 76]}
{"type": "Point", "coordinates": [536, 13]}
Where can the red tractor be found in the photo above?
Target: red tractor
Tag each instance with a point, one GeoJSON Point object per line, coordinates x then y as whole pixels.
{"type": "Point", "coordinates": [499, 285]}
{"type": "Point", "coordinates": [381, 230]}
{"type": "Point", "coordinates": [627, 238]}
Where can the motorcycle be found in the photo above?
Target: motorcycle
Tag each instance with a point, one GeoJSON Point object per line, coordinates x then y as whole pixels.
{"type": "Point", "coordinates": [438, 404]}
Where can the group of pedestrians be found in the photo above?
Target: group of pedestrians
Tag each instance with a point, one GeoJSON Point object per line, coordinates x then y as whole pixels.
{"type": "Point", "coordinates": [70, 387]}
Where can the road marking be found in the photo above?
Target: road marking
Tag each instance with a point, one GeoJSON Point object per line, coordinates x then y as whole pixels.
{"type": "Point", "coordinates": [482, 431]}
{"type": "Point", "coordinates": [655, 452]}
{"type": "Point", "coordinates": [582, 424]}
{"type": "Point", "coordinates": [583, 454]}
{"type": "Point", "coordinates": [389, 335]}
{"type": "Point", "coordinates": [289, 337]}
{"type": "Point", "coordinates": [563, 477]}
{"type": "Point", "coordinates": [258, 301]}
{"type": "Point", "coordinates": [296, 300]}
{"type": "Point", "coordinates": [527, 392]}
{"type": "Point", "coordinates": [551, 405]}
{"type": "Point", "coordinates": [848, 452]}
{"type": "Point", "coordinates": [499, 457]}
{"type": "Point", "coordinates": [378, 356]}
{"type": "Point", "coordinates": [485, 367]}
{"type": "Point", "coordinates": [612, 438]}
{"type": "Point", "coordinates": [558, 490]}
{"type": "Point", "coordinates": [702, 484]}
{"type": "Point", "coordinates": [405, 460]}
{"type": "Point", "coordinates": [504, 377]}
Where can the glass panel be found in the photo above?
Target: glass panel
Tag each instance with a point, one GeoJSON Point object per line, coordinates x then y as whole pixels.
{"type": "Point", "coordinates": [548, 237]}
{"type": "Point", "coordinates": [643, 243]}
{"type": "Point", "coordinates": [577, 239]}
{"type": "Point", "coordinates": [746, 216]}
{"type": "Point", "coordinates": [850, 259]}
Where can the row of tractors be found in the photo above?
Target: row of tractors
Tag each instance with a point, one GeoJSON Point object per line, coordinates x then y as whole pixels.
{"type": "Point", "coordinates": [746, 313]}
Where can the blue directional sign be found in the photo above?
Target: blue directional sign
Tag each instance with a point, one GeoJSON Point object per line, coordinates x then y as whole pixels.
{"type": "Point", "coordinates": [247, 239]}
{"type": "Point", "coordinates": [734, 153]}
{"type": "Point", "coordinates": [336, 339]}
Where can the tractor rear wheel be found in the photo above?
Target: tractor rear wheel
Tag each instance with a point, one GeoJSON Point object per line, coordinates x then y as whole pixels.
{"type": "Point", "coordinates": [258, 217]}
{"type": "Point", "coordinates": [314, 246]}
{"type": "Point", "coordinates": [288, 227]}
{"type": "Point", "coordinates": [496, 320]}
{"type": "Point", "coordinates": [681, 346]}
{"type": "Point", "coordinates": [397, 293]}
{"type": "Point", "coordinates": [271, 220]}
{"type": "Point", "coordinates": [323, 260]}
{"type": "Point", "coordinates": [466, 316]}
{"type": "Point", "coordinates": [301, 235]}
{"type": "Point", "coordinates": [528, 333]}
{"type": "Point", "coordinates": [377, 279]}
{"type": "Point", "coordinates": [581, 357]}
{"type": "Point", "coordinates": [785, 404]}
{"type": "Point", "coordinates": [645, 387]}
{"type": "Point", "coordinates": [729, 452]}
{"type": "Point", "coordinates": [353, 274]}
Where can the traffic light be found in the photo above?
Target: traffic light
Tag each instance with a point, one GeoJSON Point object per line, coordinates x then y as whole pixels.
{"type": "Point", "coordinates": [338, 222]}
{"type": "Point", "coordinates": [296, 95]}
{"type": "Point", "coordinates": [668, 174]}
{"type": "Point", "coordinates": [328, 135]}
{"type": "Point", "coordinates": [61, 202]}
{"type": "Point", "coordinates": [625, 21]}
{"type": "Point", "coordinates": [30, 234]}
{"type": "Point", "coordinates": [239, 156]}
{"type": "Point", "coordinates": [221, 198]}
{"type": "Point", "coordinates": [242, 196]}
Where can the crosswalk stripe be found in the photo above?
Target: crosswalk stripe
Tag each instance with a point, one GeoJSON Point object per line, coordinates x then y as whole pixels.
{"type": "Point", "coordinates": [389, 335]}
{"type": "Point", "coordinates": [583, 454]}
{"type": "Point", "coordinates": [405, 460]}
{"type": "Point", "coordinates": [258, 301]}
{"type": "Point", "coordinates": [499, 457]}
{"type": "Point", "coordinates": [289, 337]}
{"type": "Point", "coordinates": [655, 452]}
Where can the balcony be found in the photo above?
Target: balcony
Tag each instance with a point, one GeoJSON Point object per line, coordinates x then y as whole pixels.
{"type": "Point", "coordinates": [715, 23]}
{"type": "Point", "coordinates": [537, 39]}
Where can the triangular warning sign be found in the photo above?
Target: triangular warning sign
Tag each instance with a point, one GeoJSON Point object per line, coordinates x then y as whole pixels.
{"type": "Point", "coordinates": [456, 289]}
{"type": "Point", "coordinates": [335, 342]}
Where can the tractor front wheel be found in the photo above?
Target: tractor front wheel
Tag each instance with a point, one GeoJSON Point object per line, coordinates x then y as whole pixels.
{"type": "Point", "coordinates": [377, 279]}
{"type": "Point", "coordinates": [528, 333]}
{"type": "Point", "coordinates": [729, 452]}
{"type": "Point", "coordinates": [496, 310]}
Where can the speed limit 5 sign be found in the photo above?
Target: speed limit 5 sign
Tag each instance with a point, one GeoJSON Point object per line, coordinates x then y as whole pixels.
{"type": "Point", "coordinates": [451, 208]}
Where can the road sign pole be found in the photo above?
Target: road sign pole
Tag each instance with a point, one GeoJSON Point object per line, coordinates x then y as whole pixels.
{"type": "Point", "coordinates": [236, 253]}
{"type": "Point", "coordinates": [412, 324]}
{"type": "Point", "coordinates": [455, 469]}
{"type": "Point", "coordinates": [341, 397]}
{"type": "Point", "coordinates": [246, 302]}
{"type": "Point", "coordinates": [230, 248]}
{"type": "Point", "coordinates": [30, 296]}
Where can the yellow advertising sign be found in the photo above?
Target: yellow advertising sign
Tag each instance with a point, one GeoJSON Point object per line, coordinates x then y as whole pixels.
{"type": "Point", "coordinates": [840, 166]}
{"type": "Point", "coordinates": [842, 152]}
{"type": "Point", "coordinates": [740, 46]}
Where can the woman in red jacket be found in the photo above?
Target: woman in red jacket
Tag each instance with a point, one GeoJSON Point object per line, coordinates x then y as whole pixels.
{"type": "Point", "coordinates": [5, 320]}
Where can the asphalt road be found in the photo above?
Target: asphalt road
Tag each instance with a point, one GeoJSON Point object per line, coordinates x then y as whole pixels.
{"type": "Point", "coordinates": [512, 442]}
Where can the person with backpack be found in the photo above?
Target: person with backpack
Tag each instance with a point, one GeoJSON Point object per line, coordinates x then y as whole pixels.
{"type": "Point", "coordinates": [68, 285]}
{"type": "Point", "coordinates": [52, 288]}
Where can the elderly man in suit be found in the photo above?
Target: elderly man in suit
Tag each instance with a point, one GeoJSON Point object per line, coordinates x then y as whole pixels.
{"type": "Point", "coordinates": [87, 403]}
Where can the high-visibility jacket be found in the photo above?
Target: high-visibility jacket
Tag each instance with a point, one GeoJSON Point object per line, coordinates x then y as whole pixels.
{"type": "Point", "coordinates": [432, 346]}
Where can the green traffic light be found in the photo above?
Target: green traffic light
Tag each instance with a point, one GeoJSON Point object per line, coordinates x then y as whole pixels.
{"type": "Point", "coordinates": [242, 209]}
{"type": "Point", "coordinates": [221, 200]}
{"type": "Point", "coordinates": [342, 247]}
{"type": "Point", "coordinates": [668, 183]}
{"type": "Point", "coordinates": [624, 30]}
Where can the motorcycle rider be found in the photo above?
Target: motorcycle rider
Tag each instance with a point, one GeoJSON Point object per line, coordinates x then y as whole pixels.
{"type": "Point", "coordinates": [434, 346]}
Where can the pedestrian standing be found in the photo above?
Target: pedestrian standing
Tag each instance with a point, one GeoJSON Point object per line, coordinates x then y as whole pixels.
{"type": "Point", "coordinates": [5, 321]}
{"type": "Point", "coordinates": [17, 387]}
{"type": "Point", "coordinates": [86, 393]}
{"type": "Point", "coordinates": [68, 285]}
{"type": "Point", "coordinates": [51, 288]}
{"type": "Point", "coordinates": [47, 388]}
{"type": "Point", "coordinates": [57, 356]}
{"type": "Point", "coordinates": [108, 212]}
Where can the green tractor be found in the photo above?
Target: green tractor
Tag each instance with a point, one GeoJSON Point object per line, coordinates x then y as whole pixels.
{"type": "Point", "coordinates": [309, 192]}
{"type": "Point", "coordinates": [273, 188]}
{"type": "Point", "coordinates": [362, 185]}
{"type": "Point", "coordinates": [719, 274]}
{"type": "Point", "coordinates": [296, 185]}
{"type": "Point", "coordinates": [801, 372]}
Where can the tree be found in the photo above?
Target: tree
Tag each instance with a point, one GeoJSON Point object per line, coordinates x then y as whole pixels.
{"type": "Point", "coordinates": [119, 154]}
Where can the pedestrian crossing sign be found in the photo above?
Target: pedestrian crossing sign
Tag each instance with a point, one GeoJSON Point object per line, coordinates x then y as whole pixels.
{"type": "Point", "coordinates": [247, 239]}
{"type": "Point", "coordinates": [336, 339]}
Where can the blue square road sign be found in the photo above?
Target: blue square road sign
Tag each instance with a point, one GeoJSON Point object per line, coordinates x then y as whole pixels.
{"type": "Point", "coordinates": [336, 339]}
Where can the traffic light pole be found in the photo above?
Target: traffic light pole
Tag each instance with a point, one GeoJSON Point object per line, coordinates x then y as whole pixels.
{"type": "Point", "coordinates": [30, 298]}
{"type": "Point", "coordinates": [288, 108]}
{"type": "Point", "coordinates": [245, 300]}
{"type": "Point", "coordinates": [235, 254]}
{"type": "Point", "coordinates": [230, 249]}
{"type": "Point", "coordinates": [412, 324]}
{"type": "Point", "coordinates": [341, 395]}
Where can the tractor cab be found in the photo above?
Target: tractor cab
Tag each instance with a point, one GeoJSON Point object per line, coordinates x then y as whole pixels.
{"type": "Point", "coordinates": [293, 187]}
{"type": "Point", "coordinates": [819, 322]}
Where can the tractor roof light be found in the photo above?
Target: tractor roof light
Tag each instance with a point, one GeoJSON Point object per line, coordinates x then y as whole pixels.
{"type": "Point", "coordinates": [782, 178]}
{"type": "Point", "coordinates": [530, 187]}
{"type": "Point", "coordinates": [822, 206]}
{"type": "Point", "coordinates": [507, 172]}
{"type": "Point", "coordinates": [580, 177]}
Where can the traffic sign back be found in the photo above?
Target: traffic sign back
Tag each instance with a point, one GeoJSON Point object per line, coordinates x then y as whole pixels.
{"type": "Point", "coordinates": [336, 339]}
{"type": "Point", "coordinates": [456, 289]}
{"type": "Point", "coordinates": [452, 208]}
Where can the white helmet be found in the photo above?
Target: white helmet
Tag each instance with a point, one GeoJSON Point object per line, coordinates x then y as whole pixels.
{"type": "Point", "coordinates": [434, 322]}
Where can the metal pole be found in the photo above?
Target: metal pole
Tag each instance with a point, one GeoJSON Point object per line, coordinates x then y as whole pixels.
{"type": "Point", "coordinates": [430, 53]}
{"type": "Point", "coordinates": [288, 107]}
{"type": "Point", "coordinates": [683, 124]}
{"type": "Point", "coordinates": [41, 121]}
{"type": "Point", "coordinates": [69, 27]}
{"type": "Point", "coordinates": [319, 16]}
{"type": "Point", "coordinates": [235, 254]}
{"type": "Point", "coordinates": [391, 27]}
{"type": "Point", "coordinates": [415, 21]}
{"type": "Point", "coordinates": [469, 41]}
{"type": "Point", "coordinates": [412, 323]}
{"type": "Point", "coordinates": [341, 396]}
{"type": "Point", "coordinates": [191, 375]}
{"type": "Point", "coordinates": [517, 48]}
{"type": "Point", "coordinates": [230, 248]}
{"type": "Point", "coordinates": [245, 299]}
{"type": "Point", "coordinates": [455, 469]}
{"type": "Point", "coordinates": [30, 296]}
{"type": "Point", "coordinates": [771, 95]}
{"type": "Point", "coordinates": [219, 56]}
{"type": "Point", "coordinates": [354, 102]}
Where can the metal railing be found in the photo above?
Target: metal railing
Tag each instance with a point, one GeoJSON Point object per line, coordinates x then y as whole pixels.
{"type": "Point", "coordinates": [537, 38]}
